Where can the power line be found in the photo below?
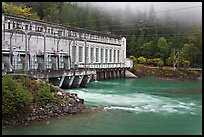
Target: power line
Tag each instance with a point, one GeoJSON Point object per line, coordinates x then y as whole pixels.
{"type": "Point", "coordinates": [179, 9]}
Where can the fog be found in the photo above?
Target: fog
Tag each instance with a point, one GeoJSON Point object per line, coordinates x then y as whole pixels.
{"type": "Point", "coordinates": [182, 11]}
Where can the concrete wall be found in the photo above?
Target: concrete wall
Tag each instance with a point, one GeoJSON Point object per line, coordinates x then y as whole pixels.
{"type": "Point", "coordinates": [40, 38]}
{"type": "Point", "coordinates": [49, 51]}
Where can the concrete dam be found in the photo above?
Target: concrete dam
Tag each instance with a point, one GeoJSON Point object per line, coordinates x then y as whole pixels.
{"type": "Point", "coordinates": [66, 56]}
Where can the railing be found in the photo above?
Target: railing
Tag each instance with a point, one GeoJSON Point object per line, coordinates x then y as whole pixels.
{"type": "Point", "coordinates": [101, 65]}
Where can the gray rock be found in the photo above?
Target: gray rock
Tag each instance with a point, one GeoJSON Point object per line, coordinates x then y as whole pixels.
{"type": "Point", "coordinates": [66, 108]}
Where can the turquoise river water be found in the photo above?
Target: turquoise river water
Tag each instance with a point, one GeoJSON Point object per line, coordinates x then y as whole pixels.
{"type": "Point", "coordinates": [145, 106]}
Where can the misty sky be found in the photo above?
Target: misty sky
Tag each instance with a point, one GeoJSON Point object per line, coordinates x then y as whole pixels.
{"type": "Point", "coordinates": [179, 10]}
{"type": "Point", "coordinates": [159, 6]}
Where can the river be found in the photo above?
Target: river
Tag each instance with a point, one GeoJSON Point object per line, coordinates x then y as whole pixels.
{"type": "Point", "coordinates": [146, 106]}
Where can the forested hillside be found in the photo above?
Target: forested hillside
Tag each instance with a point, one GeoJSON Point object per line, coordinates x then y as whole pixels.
{"type": "Point", "coordinates": [147, 35]}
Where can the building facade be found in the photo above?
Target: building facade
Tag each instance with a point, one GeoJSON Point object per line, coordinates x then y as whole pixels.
{"type": "Point", "coordinates": [35, 45]}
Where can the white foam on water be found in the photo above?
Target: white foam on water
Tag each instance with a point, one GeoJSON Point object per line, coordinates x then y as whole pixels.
{"type": "Point", "coordinates": [136, 102]}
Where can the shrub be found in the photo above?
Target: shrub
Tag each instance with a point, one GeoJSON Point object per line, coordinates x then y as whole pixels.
{"type": "Point", "coordinates": [133, 58]}
{"type": "Point", "coordinates": [186, 64]}
{"type": "Point", "coordinates": [142, 60]}
{"type": "Point", "coordinates": [155, 61]}
{"type": "Point", "coordinates": [44, 95]}
{"type": "Point", "coordinates": [169, 61]}
{"type": "Point", "coordinates": [160, 63]}
{"type": "Point", "coordinates": [150, 61]}
{"type": "Point", "coordinates": [15, 98]}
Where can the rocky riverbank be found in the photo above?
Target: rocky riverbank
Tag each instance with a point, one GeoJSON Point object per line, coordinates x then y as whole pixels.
{"type": "Point", "coordinates": [63, 104]}
{"type": "Point", "coordinates": [167, 73]}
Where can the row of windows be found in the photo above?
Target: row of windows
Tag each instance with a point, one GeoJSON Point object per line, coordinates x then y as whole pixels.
{"type": "Point", "coordinates": [96, 56]}
{"type": "Point", "coordinates": [17, 62]}
{"type": "Point", "coordinates": [60, 32]}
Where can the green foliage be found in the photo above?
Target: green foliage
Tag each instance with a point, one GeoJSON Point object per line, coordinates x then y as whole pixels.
{"type": "Point", "coordinates": [186, 64]}
{"type": "Point", "coordinates": [19, 91]}
{"type": "Point", "coordinates": [147, 49]}
{"type": "Point", "coordinates": [196, 37]}
{"type": "Point", "coordinates": [169, 61]}
{"type": "Point", "coordinates": [155, 61]}
{"type": "Point", "coordinates": [190, 52]}
{"type": "Point", "coordinates": [142, 60]}
{"type": "Point", "coordinates": [150, 61]}
{"type": "Point", "coordinates": [172, 58]}
{"type": "Point", "coordinates": [133, 58]}
{"type": "Point", "coordinates": [160, 63]}
{"type": "Point", "coordinates": [52, 88]}
{"type": "Point", "coordinates": [21, 10]}
{"type": "Point", "coordinates": [163, 48]}
{"type": "Point", "coordinates": [68, 15]}
{"type": "Point", "coordinates": [44, 95]}
{"type": "Point", "coordinates": [15, 98]}
{"type": "Point", "coordinates": [132, 45]}
{"type": "Point", "coordinates": [51, 11]}
{"type": "Point", "coordinates": [31, 86]}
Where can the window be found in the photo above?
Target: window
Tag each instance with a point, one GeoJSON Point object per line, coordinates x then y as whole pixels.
{"type": "Point", "coordinates": [114, 56]}
{"type": "Point", "coordinates": [80, 54]}
{"type": "Point", "coordinates": [26, 27]}
{"type": "Point", "coordinates": [82, 35]}
{"type": "Point", "coordinates": [18, 26]}
{"type": "Point", "coordinates": [91, 37]}
{"type": "Point", "coordinates": [86, 53]}
{"type": "Point", "coordinates": [97, 54]}
{"type": "Point", "coordinates": [17, 65]}
{"type": "Point", "coordinates": [118, 56]}
{"type": "Point", "coordinates": [106, 55]}
{"type": "Point", "coordinates": [74, 53]}
{"type": "Point", "coordinates": [49, 62]}
{"type": "Point", "coordinates": [110, 58]}
{"type": "Point", "coordinates": [36, 27]}
{"type": "Point", "coordinates": [102, 50]}
{"type": "Point", "coordinates": [9, 25]}
{"type": "Point", "coordinates": [59, 33]}
{"type": "Point", "coordinates": [52, 30]}
{"type": "Point", "coordinates": [14, 24]}
{"type": "Point", "coordinates": [92, 54]}
{"type": "Point", "coordinates": [61, 61]}
{"type": "Point", "coordinates": [41, 29]}
{"type": "Point", "coordinates": [33, 62]}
